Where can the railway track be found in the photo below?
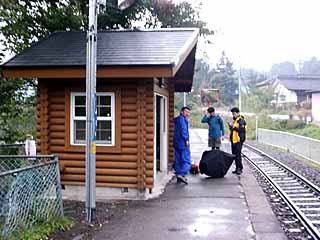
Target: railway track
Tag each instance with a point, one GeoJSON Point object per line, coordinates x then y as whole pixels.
{"type": "Point", "coordinates": [300, 195]}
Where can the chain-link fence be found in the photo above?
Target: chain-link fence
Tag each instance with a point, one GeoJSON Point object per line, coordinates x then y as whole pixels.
{"type": "Point", "coordinates": [30, 191]}
{"type": "Point", "coordinates": [304, 146]}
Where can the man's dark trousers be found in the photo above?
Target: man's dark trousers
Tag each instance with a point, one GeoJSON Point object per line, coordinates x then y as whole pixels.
{"type": "Point", "coordinates": [236, 150]}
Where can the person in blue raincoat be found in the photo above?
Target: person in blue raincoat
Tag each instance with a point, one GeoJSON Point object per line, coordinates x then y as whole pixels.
{"type": "Point", "coordinates": [181, 145]}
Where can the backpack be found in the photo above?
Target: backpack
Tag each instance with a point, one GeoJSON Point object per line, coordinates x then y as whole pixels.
{"type": "Point", "coordinates": [242, 134]}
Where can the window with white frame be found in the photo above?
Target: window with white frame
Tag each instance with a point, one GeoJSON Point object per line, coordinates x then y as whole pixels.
{"type": "Point", "coordinates": [105, 119]}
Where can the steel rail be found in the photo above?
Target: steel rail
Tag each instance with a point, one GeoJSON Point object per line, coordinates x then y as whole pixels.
{"type": "Point", "coordinates": [313, 231]}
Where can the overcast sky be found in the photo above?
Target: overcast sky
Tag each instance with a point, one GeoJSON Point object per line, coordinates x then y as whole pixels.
{"type": "Point", "coordinates": [258, 33]}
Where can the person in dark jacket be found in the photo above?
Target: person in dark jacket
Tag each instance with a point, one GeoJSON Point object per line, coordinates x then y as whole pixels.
{"type": "Point", "coordinates": [216, 128]}
{"type": "Point", "coordinates": [237, 137]}
{"type": "Point", "coordinates": [181, 145]}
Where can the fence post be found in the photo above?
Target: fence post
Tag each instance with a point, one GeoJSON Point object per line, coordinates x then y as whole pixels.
{"type": "Point", "coordinates": [257, 127]}
{"type": "Point", "coordinates": [58, 185]}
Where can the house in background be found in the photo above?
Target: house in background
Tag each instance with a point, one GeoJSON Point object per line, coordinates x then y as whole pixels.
{"type": "Point", "coordinates": [292, 90]}
{"type": "Point", "coordinates": [316, 105]}
{"type": "Point", "coordinates": [137, 75]}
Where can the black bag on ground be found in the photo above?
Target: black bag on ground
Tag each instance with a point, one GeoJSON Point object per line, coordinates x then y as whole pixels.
{"type": "Point", "coordinates": [216, 163]}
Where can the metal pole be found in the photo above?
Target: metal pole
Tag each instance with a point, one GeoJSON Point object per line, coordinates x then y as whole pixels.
{"type": "Point", "coordinates": [91, 68]}
{"type": "Point", "coordinates": [184, 99]}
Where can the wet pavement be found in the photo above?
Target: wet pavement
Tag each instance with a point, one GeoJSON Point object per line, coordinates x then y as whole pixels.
{"type": "Point", "coordinates": [232, 208]}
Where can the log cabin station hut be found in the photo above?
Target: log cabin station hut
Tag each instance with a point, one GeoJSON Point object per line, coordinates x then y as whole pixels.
{"type": "Point", "coordinates": [138, 73]}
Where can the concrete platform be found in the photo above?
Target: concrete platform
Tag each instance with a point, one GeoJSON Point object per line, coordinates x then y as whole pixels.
{"type": "Point", "coordinates": [230, 208]}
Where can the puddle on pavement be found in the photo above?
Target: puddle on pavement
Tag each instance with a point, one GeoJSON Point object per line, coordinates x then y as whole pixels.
{"type": "Point", "coordinates": [204, 224]}
{"type": "Point", "coordinates": [200, 229]}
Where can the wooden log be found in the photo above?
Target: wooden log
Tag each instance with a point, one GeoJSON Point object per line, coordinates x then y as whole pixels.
{"type": "Point", "coordinates": [57, 142]}
{"type": "Point", "coordinates": [129, 150]}
{"type": "Point", "coordinates": [99, 184]}
{"type": "Point", "coordinates": [129, 100]}
{"type": "Point", "coordinates": [128, 122]}
{"type": "Point", "coordinates": [149, 122]}
{"type": "Point", "coordinates": [149, 165]}
{"type": "Point", "coordinates": [149, 181]}
{"type": "Point", "coordinates": [133, 144]}
{"type": "Point", "coordinates": [149, 137]}
{"type": "Point", "coordinates": [57, 121]}
{"type": "Point", "coordinates": [100, 164]}
{"type": "Point", "coordinates": [57, 128]}
{"type": "Point", "coordinates": [129, 114]}
{"type": "Point", "coordinates": [149, 151]}
{"type": "Point", "coordinates": [128, 107]}
{"type": "Point", "coordinates": [57, 114]}
{"type": "Point", "coordinates": [57, 100]}
{"type": "Point", "coordinates": [99, 157]}
{"type": "Point", "coordinates": [56, 92]}
{"type": "Point", "coordinates": [57, 149]}
{"type": "Point", "coordinates": [129, 93]}
{"type": "Point", "coordinates": [149, 144]}
{"type": "Point", "coordinates": [149, 129]}
{"type": "Point", "coordinates": [57, 107]}
{"type": "Point", "coordinates": [149, 158]}
{"type": "Point", "coordinates": [129, 129]}
{"type": "Point", "coordinates": [101, 171]}
{"type": "Point", "coordinates": [150, 115]}
{"type": "Point", "coordinates": [129, 136]}
{"type": "Point", "coordinates": [58, 135]}
{"type": "Point", "coordinates": [149, 173]}
{"type": "Point", "coordinates": [106, 179]}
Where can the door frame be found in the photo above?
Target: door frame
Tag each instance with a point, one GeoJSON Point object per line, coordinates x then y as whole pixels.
{"type": "Point", "coordinates": [164, 135]}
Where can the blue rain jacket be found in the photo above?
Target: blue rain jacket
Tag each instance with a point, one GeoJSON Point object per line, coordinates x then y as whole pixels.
{"type": "Point", "coordinates": [181, 132]}
{"type": "Point", "coordinates": [216, 127]}
{"type": "Point", "coordinates": [182, 164]}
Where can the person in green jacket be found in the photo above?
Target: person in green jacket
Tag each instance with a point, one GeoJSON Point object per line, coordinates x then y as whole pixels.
{"type": "Point", "coordinates": [216, 128]}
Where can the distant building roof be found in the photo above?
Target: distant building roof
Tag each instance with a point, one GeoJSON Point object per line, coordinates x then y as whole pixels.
{"type": "Point", "coordinates": [300, 82]}
{"type": "Point", "coordinates": [265, 82]}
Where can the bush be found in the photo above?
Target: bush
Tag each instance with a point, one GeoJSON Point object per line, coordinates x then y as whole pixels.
{"type": "Point", "coordinates": [294, 124]}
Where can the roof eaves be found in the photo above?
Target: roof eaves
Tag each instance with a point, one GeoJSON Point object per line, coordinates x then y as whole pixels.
{"type": "Point", "coordinates": [184, 51]}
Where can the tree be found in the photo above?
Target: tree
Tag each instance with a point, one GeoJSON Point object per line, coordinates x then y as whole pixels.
{"type": "Point", "coordinates": [257, 100]}
{"type": "Point", "coordinates": [24, 22]}
{"type": "Point", "coordinates": [200, 79]}
{"type": "Point", "coordinates": [27, 21]}
{"type": "Point", "coordinates": [224, 79]}
{"type": "Point", "coordinates": [17, 112]}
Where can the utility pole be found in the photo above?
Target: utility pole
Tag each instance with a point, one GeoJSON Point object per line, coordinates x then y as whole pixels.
{"type": "Point", "coordinates": [91, 69]}
{"type": "Point", "coordinates": [91, 109]}
{"type": "Point", "coordinates": [239, 90]}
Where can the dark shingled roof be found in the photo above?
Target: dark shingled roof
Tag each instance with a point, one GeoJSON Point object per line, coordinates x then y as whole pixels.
{"type": "Point", "coordinates": [300, 82]}
{"type": "Point", "coordinates": [115, 48]}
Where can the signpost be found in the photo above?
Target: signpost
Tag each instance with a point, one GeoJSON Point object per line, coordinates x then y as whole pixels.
{"type": "Point", "coordinates": [91, 110]}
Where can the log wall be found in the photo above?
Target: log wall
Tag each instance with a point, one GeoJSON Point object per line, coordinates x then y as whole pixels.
{"type": "Point", "coordinates": [130, 162]}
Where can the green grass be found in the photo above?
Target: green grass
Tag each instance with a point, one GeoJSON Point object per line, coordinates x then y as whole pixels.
{"type": "Point", "coordinates": [42, 229]}
{"type": "Point", "coordinates": [310, 130]}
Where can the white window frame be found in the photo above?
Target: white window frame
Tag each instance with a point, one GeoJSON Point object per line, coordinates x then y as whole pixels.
{"type": "Point", "coordinates": [73, 117]}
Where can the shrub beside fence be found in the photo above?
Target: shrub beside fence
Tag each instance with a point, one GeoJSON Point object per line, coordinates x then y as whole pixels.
{"type": "Point", "coordinates": [30, 191]}
{"type": "Point", "coordinates": [304, 146]}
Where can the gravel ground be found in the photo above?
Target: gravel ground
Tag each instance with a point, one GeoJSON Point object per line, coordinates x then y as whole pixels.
{"type": "Point", "coordinates": [291, 225]}
{"type": "Point", "coordinates": [308, 169]}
